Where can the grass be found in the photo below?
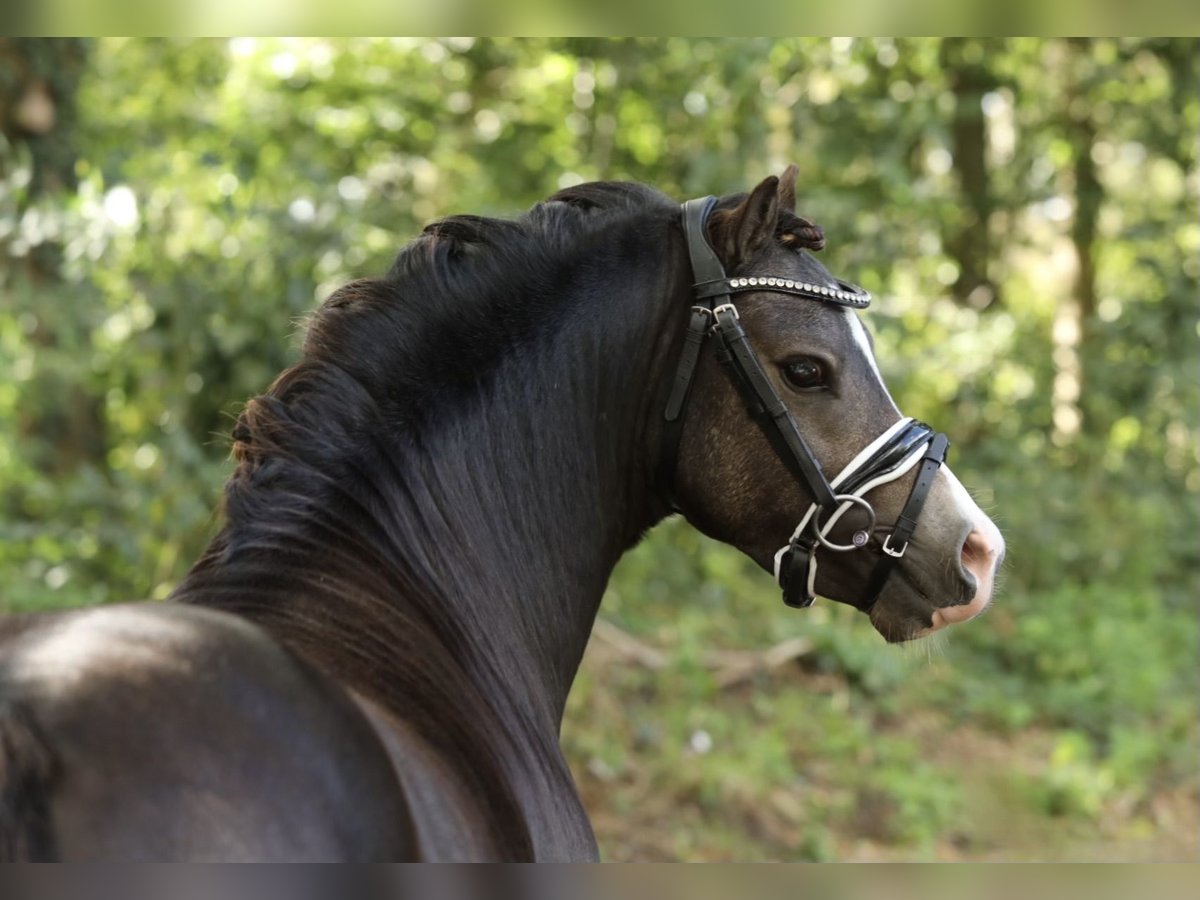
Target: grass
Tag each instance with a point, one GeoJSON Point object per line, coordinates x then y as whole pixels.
{"type": "Point", "coordinates": [797, 765]}
{"type": "Point", "coordinates": [1058, 727]}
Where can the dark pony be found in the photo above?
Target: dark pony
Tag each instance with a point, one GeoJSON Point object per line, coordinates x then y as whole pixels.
{"type": "Point", "coordinates": [424, 514]}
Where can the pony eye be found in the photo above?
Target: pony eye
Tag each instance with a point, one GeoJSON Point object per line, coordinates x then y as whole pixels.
{"type": "Point", "coordinates": [805, 374]}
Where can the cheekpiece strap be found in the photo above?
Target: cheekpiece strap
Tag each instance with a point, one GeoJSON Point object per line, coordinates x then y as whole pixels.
{"type": "Point", "coordinates": [703, 260]}
{"type": "Point", "coordinates": [772, 414]}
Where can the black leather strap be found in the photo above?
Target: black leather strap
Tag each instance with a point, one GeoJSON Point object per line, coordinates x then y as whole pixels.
{"type": "Point", "coordinates": [896, 543]}
{"type": "Point", "coordinates": [685, 371]}
{"type": "Point", "coordinates": [766, 407]}
{"type": "Point", "coordinates": [706, 266]}
{"type": "Point", "coordinates": [793, 573]}
{"type": "Point", "coordinates": [695, 214]}
{"type": "Point", "coordinates": [888, 457]}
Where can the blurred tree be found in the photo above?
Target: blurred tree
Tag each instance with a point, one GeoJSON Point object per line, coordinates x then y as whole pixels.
{"type": "Point", "coordinates": [39, 78]}
{"type": "Point", "coordinates": [967, 62]}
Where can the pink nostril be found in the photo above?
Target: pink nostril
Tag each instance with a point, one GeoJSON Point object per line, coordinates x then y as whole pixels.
{"type": "Point", "coordinates": [980, 552]}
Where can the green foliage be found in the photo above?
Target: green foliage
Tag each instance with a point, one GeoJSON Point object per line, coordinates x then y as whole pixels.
{"type": "Point", "coordinates": [164, 244]}
{"type": "Point", "coordinates": [1093, 657]}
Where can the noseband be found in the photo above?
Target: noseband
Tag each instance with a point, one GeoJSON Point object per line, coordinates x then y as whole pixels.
{"type": "Point", "coordinates": [893, 454]}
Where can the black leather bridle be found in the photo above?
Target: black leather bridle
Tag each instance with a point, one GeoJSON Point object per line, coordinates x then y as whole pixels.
{"type": "Point", "coordinates": [905, 444]}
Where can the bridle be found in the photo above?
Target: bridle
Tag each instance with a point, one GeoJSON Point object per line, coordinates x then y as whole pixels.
{"type": "Point", "coordinates": [890, 456]}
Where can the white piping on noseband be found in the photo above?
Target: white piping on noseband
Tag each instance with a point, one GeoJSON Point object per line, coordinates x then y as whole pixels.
{"type": "Point", "coordinates": [865, 454]}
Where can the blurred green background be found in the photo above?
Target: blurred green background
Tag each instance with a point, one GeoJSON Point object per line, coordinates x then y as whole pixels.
{"type": "Point", "coordinates": [1023, 209]}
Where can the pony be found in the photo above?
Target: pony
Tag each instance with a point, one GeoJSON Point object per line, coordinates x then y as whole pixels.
{"type": "Point", "coordinates": [371, 659]}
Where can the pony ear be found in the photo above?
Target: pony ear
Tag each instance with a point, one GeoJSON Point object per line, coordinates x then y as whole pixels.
{"type": "Point", "coordinates": [795, 230]}
{"type": "Point", "coordinates": [740, 234]}
{"type": "Point", "coordinates": [787, 188]}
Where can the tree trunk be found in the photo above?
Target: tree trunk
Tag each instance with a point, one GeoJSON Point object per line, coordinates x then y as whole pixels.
{"type": "Point", "coordinates": [970, 244]}
{"type": "Point", "coordinates": [1089, 194]}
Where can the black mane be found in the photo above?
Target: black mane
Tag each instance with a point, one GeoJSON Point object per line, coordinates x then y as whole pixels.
{"type": "Point", "coordinates": [381, 480]}
{"type": "Point", "coordinates": [405, 355]}
{"type": "Point", "coordinates": [465, 293]}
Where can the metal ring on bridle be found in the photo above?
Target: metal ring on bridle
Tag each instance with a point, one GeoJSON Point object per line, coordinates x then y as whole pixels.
{"type": "Point", "coordinates": [842, 499]}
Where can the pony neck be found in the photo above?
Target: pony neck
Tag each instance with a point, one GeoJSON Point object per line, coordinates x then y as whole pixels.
{"type": "Point", "coordinates": [476, 549]}
{"type": "Point", "coordinates": [528, 501]}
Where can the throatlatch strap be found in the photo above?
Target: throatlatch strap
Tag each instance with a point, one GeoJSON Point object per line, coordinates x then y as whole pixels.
{"type": "Point", "coordinates": [693, 343]}
{"type": "Point", "coordinates": [896, 543]}
{"type": "Point", "coordinates": [705, 264]}
{"type": "Point", "coordinates": [695, 213]}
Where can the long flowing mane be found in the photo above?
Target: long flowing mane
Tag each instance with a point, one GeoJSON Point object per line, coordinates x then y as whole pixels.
{"type": "Point", "coordinates": [373, 468]}
{"type": "Point", "coordinates": [407, 355]}
{"type": "Point", "coordinates": [391, 365]}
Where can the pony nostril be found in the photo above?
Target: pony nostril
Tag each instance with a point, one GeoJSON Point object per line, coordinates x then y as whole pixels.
{"type": "Point", "coordinates": [971, 548]}
{"type": "Point", "coordinates": [980, 556]}
{"type": "Point", "coordinates": [980, 552]}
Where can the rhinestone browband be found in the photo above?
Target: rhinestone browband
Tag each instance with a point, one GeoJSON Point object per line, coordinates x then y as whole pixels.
{"type": "Point", "coordinates": [845, 294]}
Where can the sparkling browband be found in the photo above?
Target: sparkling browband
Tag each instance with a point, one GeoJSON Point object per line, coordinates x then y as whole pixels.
{"type": "Point", "coordinates": [845, 294]}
